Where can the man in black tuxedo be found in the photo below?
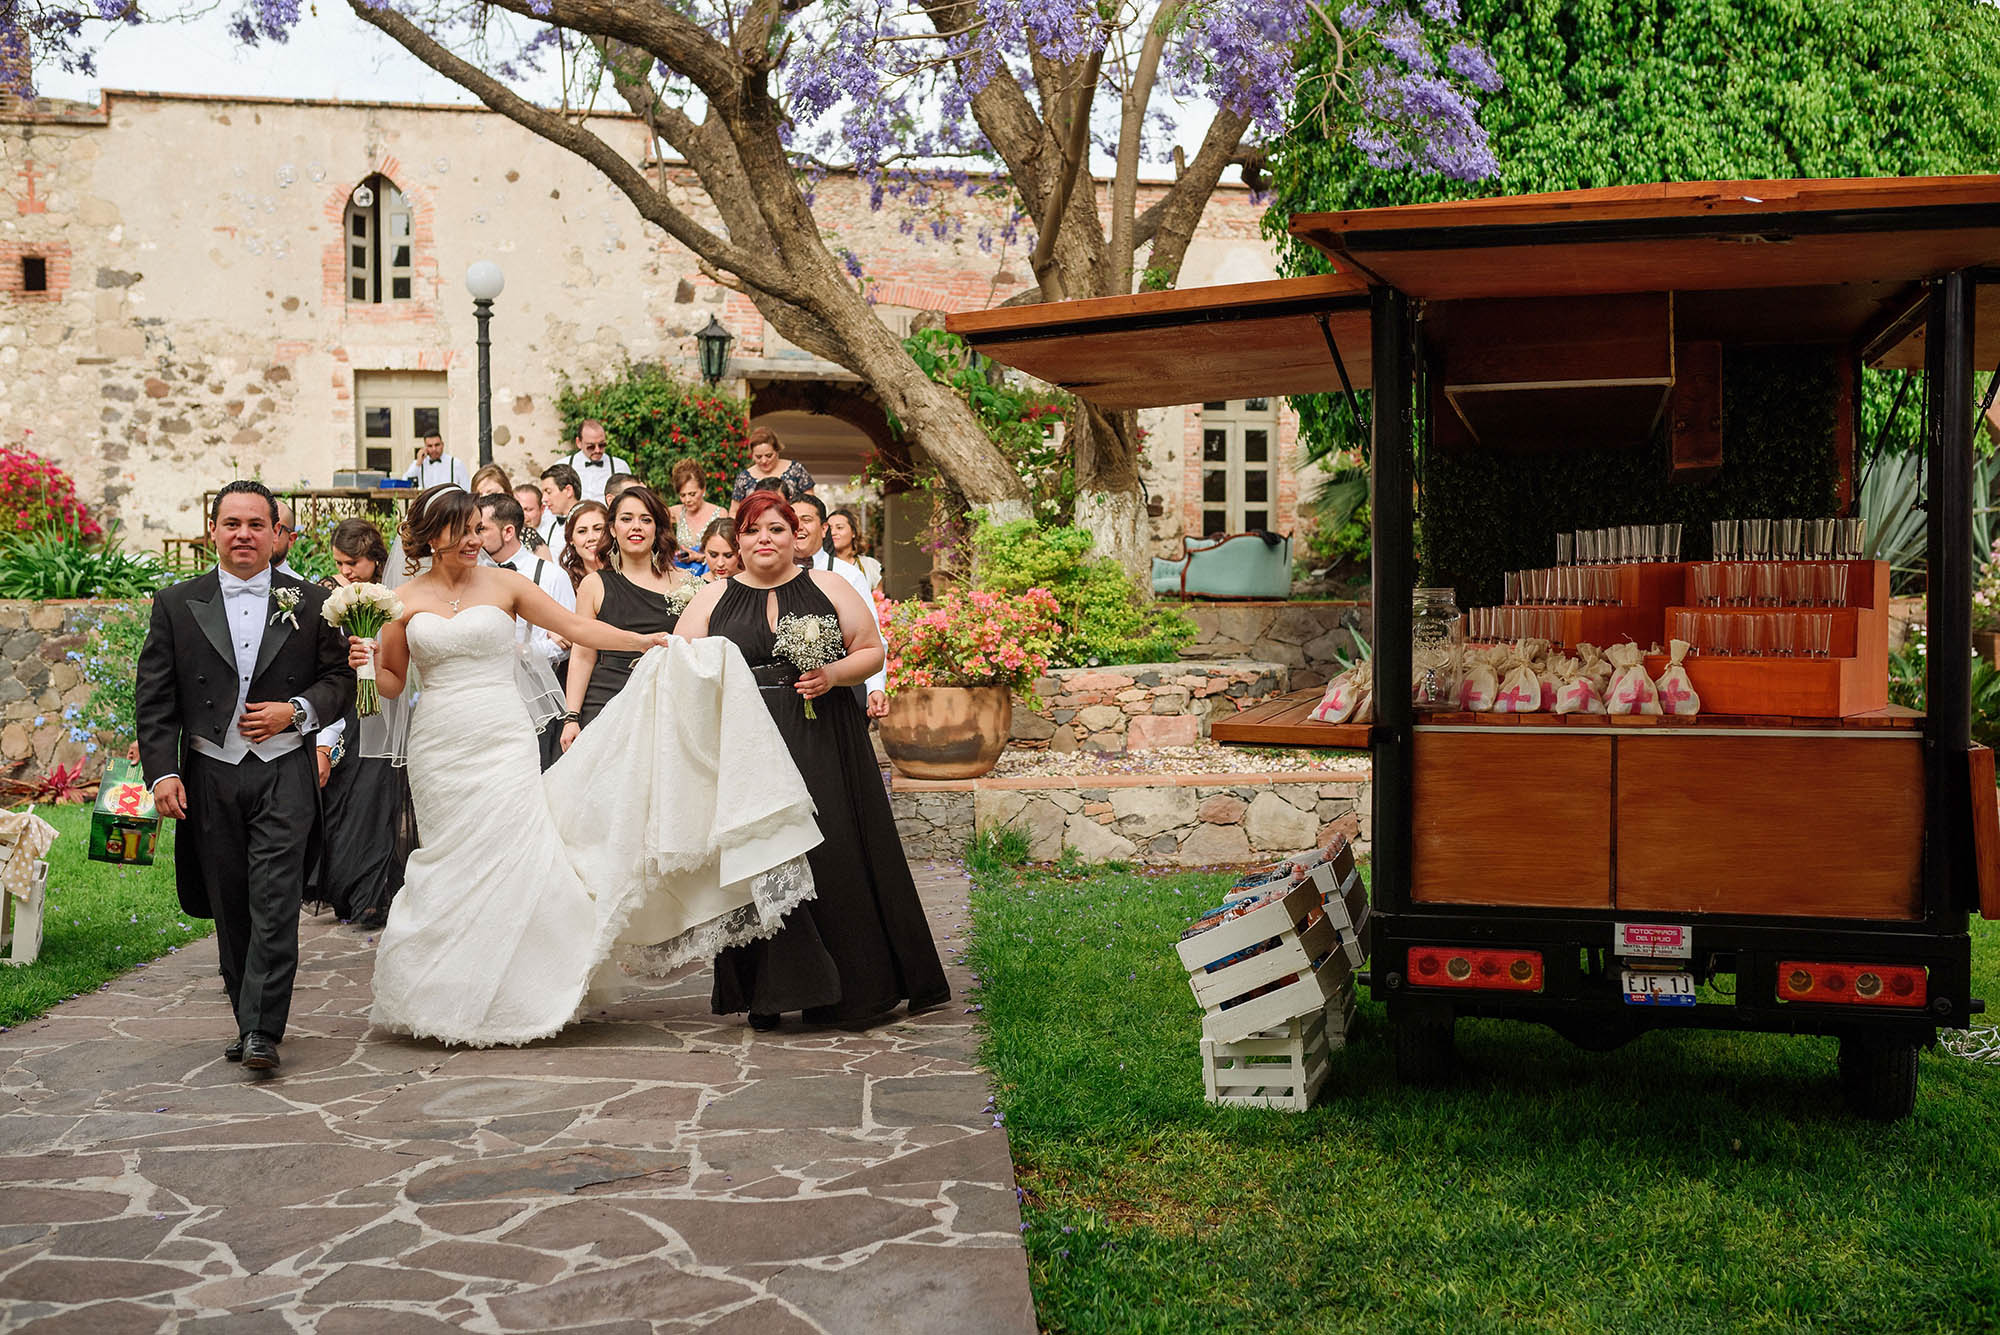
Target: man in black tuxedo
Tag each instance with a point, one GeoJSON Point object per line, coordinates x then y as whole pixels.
{"type": "Point", "coordinates": [238, 670]}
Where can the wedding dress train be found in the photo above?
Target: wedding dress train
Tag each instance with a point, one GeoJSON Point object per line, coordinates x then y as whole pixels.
{"type": "Point", "coordinates": [675, 826]}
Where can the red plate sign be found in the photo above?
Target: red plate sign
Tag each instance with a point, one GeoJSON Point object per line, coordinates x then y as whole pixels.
{"type": "Point", "coordinates": [1649, 940]}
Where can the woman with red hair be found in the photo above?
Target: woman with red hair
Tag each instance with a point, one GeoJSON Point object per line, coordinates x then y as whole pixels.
{"type": "Point", "coordinates": [862, 945]}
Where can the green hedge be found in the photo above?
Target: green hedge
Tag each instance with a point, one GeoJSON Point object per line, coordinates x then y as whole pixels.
{"type": "Point", "coordinates": [653, 419]}
{"type": "Point", "coordinates": [1485, 513]}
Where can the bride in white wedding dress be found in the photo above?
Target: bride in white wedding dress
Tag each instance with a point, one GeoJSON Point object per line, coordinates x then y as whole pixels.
{"type": "Point", "coordinates": [674, 827]}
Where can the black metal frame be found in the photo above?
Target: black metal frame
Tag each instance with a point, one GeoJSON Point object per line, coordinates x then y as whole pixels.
{"type": "Point", "coordinates": [1581, 993]}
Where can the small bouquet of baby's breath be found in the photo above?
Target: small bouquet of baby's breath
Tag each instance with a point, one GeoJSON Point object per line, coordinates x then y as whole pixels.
{"type": "Point", "coordinates": [678, 599]}
{"type": "Point", "coordinates": [363, 609]}
{"type": "Point", "coordinates": [810, 642]}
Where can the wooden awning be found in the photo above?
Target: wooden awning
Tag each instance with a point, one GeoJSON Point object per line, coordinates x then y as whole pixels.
{"type": "Point", "coordinates": [1194, 345]}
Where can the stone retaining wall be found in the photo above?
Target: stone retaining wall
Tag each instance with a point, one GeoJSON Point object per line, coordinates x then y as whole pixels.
{"type": "Point", "coordinates": [1139, 706]}
{"type": "Point", "coordinates": [1304, 636]}
{"type": "Point", "coordinates": [39, 681]}
{"type": "Point", "coordinates": [1183, 820]}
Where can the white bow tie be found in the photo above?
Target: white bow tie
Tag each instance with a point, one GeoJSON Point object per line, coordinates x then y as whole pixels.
{"type": "Point", "coordinates": [258, 586]}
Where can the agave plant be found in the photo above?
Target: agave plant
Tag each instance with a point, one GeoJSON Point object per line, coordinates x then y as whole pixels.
{"type": "Point", "coordinates": [1892, 503]}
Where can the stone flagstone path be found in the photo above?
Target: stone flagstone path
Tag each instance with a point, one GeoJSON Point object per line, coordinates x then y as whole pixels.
{"type": "Point", "coordinates": [653, 1169]}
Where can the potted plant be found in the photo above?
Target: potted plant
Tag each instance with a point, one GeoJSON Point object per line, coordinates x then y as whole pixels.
{"type": "Point", "coordinates": [954, 666]}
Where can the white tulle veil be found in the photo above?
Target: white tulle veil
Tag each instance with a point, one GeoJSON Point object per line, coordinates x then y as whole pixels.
{"type": "Point", "coordinates": [386, 735]}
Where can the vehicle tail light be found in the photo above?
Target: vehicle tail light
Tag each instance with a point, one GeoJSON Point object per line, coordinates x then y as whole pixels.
{"type": "Point", "coordinates": [1492, 970]}
{"type": "Point", "coordinates": [1853, 984]}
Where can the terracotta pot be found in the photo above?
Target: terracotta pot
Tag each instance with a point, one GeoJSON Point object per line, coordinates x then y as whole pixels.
{"type": "Point", "coordinates": [947, 732]}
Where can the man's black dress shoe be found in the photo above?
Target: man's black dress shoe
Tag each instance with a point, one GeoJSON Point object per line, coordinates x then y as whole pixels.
{"type": "Point", "coordinates": [260, 1052]}
{"type": "Point", "coordinates": [234, 1052]}
{"type": "Point", "coordinates": [763, 1023]}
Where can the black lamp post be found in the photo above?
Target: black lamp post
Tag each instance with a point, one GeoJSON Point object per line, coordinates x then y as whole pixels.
{"type": "Point", "coordinates": [484, 281]}
{"type": "Point", "coordinates": [713, 343]}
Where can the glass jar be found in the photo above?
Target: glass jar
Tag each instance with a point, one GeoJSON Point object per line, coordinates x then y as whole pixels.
{"type": "Point", "coordinates": [1437, 649]}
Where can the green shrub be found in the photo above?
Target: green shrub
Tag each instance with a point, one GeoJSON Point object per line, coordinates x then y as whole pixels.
{"type": "Point", "coordinates": [1106, 619]}
{"type": "Point", "coordinates": [653, 419]}
{"type": "Point", "coordinates": [64, 560]}
{"type": "Point", "coordinates": [1908, 685]}
{"type": "Point", "coordinates": [1021, 421]}
{"type": "Point", "coordinates": [109, 662]}
{"type": "Point", "coordinates": [994, 849]}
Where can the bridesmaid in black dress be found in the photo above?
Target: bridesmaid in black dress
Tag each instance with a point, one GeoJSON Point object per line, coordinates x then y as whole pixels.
{"type": "Point", "coordinates": [629, 591]}
{"type": "Point", "coordinates": [371, 825]}
{"type": "Point", "coordinates": [862, 945]}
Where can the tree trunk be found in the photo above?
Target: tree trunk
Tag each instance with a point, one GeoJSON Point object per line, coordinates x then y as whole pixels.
{"type": "Point", "coordinates": [1108, 502]}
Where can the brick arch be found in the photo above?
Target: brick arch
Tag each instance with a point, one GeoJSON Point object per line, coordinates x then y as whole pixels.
{"type": "Point", "coordinates": [851, 403]}
{"type": "Point", "coordinates": [422, 306]}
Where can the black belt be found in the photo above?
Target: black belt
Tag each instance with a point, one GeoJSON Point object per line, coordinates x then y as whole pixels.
{"type": "Point", "coordinates": [775, 676]}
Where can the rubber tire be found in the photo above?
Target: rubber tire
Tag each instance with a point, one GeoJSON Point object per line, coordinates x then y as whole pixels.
{"type": "Point", "coordinates": [1425, 1057]}
{"type": "Point", "coordinates": [1878, 1076]}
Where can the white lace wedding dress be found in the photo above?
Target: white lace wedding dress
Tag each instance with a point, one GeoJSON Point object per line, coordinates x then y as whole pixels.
{"type": "Point", "coordinates": [675, 826]}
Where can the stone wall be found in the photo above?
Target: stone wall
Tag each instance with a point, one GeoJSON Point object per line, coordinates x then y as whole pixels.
{"type": "Point", "coordinates": [1304, 636]}
{"type": "Point", "coordinates": [39, 681]}
{"type": "Point", "coordinates": [1140, 706]}
{"type": "Point", "coordinates": [1185, 820]}
{"type": "Point", "coordinates": [196, 325]}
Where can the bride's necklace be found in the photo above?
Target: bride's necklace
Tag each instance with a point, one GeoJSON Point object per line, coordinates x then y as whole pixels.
{"type": "Point", "coordinates": [452, 603]}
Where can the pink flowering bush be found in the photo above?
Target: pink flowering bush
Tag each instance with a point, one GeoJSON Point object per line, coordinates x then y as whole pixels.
{"type": "Point", "coordinates": [1986, 594]}
{"type": "Point", "coordinates": [969, 639]}
{"type": "Point", "coordinates": [35, 494]}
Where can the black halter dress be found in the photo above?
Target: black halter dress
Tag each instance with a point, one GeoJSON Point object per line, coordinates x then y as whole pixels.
{"type": "Point", "coordinates": [863, 944]}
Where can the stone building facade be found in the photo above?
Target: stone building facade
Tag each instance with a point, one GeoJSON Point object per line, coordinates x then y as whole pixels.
{"type": "Point", "coordinates": [194, 288]}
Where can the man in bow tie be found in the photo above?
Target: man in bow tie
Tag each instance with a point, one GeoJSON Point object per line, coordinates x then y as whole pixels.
{"type": "Point", "coordinates": [594, 464]}
{"type": "Point", "coordinates": [238, 670]}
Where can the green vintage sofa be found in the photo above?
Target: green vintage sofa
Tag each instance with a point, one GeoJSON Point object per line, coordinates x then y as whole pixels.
{"type": "Point", "coordinates": [1234, 565]}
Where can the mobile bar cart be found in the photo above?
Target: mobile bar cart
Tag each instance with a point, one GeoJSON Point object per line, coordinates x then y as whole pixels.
{"type": "Point", "coordinates": [1820, 849]}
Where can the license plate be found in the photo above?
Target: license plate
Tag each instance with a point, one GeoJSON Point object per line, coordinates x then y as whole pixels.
{"type": "Point", "coordinates": [1645, 987]}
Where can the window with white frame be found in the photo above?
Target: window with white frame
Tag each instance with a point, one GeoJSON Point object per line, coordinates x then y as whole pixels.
{"type": "Point", "coordinates": [379, 235]}
{"type": "Point", "coordinates": [1239, 465]}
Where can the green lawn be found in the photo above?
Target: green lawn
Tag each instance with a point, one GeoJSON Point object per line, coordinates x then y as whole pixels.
{"type": "Point", "coordinates": [100, 921]}
{"type": "Point", "coordinates": [1687, 1182]}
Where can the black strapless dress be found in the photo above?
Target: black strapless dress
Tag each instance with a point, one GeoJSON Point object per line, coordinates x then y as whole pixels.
{"type": "Point", "coordinates": [628, 607]}
{"type": "Point", "coordinates": [863, 944]}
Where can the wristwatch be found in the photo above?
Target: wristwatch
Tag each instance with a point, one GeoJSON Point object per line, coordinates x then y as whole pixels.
{"type": "Point", "coordinates": [298, 705]}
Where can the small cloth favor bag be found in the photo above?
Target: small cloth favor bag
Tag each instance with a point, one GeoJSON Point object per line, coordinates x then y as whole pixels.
{"type": "Point", "coordinates": [1576, 689]}
{"type": "Point", "coordinates": [1677, 693]}
{"type": "Point", "coordinates": [1345, 694]}
{"type": "Point", "coordinates": [1482, 680]}
{"type": "Point", "coordinates": [1631, 691]}
{"type": "Point", "coordinates": [1520, 689]}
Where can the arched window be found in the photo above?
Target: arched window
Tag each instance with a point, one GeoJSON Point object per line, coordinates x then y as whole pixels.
{"type": "Point", "coordinates": [380, 243]}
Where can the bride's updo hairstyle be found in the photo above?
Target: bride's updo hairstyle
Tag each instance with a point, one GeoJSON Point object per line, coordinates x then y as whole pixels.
{"type": "Point", "coordinates": [439, 518]}
{"type": "Point", "coordinates": [759, 503]}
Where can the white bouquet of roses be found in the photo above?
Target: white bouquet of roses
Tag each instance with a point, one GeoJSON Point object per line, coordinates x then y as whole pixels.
{"type": "Point", "coordinates": [678, 600]}
{"type": "Point", "coordinates": [809, 643]}
{"type": "Point", "coordinates": [363, 609]}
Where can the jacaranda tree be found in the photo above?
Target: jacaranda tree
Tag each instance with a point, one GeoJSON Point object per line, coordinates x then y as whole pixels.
{"type": "Point", "coordinates": [933, 102]}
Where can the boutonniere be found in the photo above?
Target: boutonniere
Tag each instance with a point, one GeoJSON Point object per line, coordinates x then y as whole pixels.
{"type": "Point", "coordinates": [288, 602]}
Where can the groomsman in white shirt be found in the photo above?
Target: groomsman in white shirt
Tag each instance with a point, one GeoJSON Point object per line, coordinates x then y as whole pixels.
{"type": "Point", "coordinates": [562, 490]}
{"type": "Point", "coordinates": [594, 464]}
{"type": "Point", "coordinates": [434, 467]}
{"type": "Point", "coordinates": [282, 537]}
{"type": "Point", "coordinates": [540, 529]}
{"type": "Point", "coordinates": [500, 524]}
{"type": "Point", "coordinates": [873, 696]}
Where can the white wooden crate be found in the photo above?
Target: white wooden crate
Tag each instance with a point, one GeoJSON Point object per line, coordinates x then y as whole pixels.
{"type": "Point", "coordinates": [1345, 900]}
{"type": "Point", "coordinates": [21, 920]}
{"type": "Point", "coordinates": [1282, 1067]}
{"type": "Point", "coordinates": [1227, 1015]}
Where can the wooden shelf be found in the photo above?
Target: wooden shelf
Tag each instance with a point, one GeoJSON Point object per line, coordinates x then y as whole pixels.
{"type": "Point", "coordinates": [1282, 721]}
